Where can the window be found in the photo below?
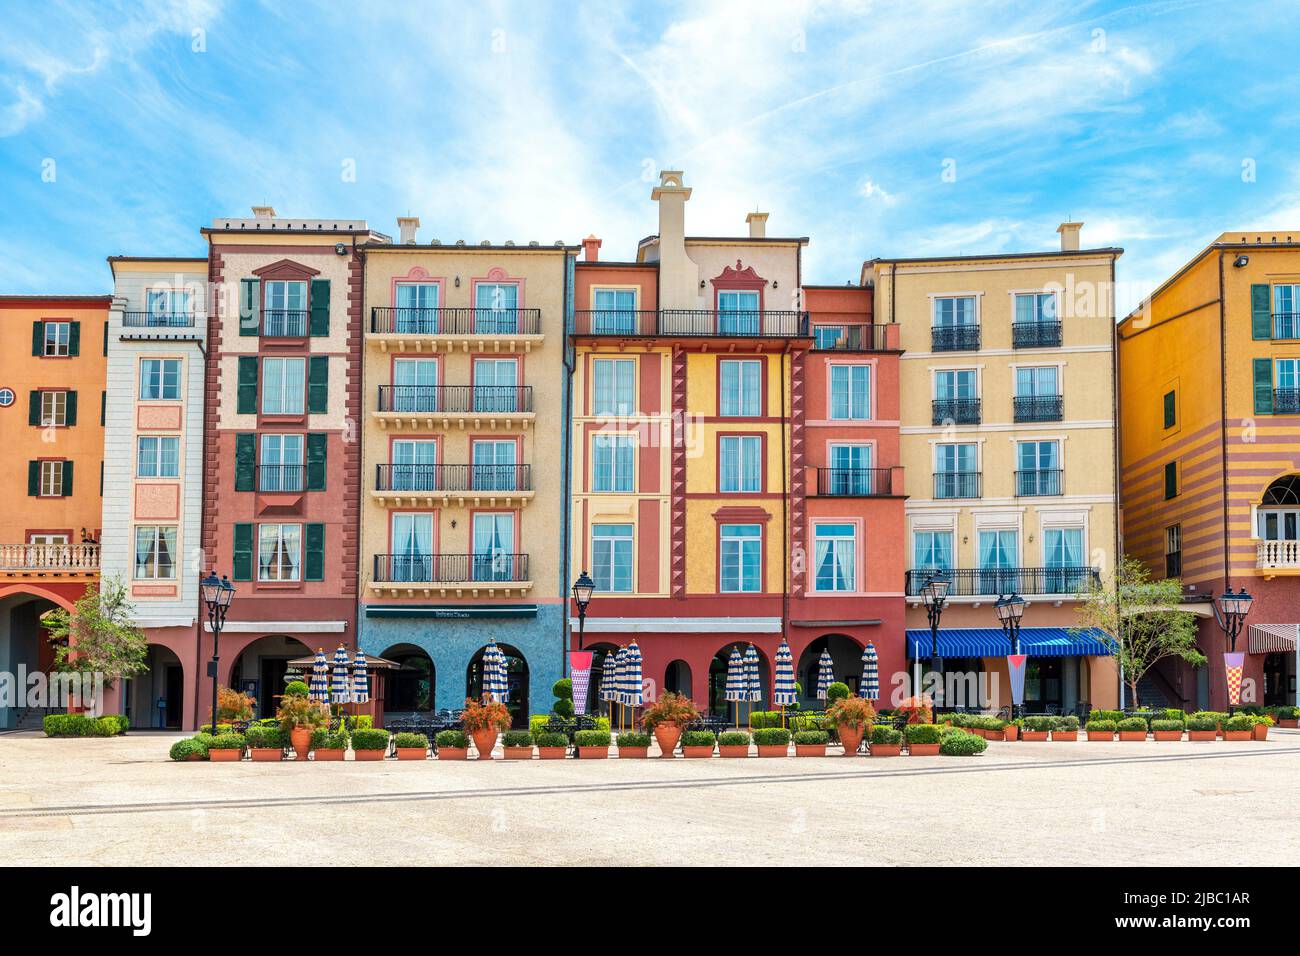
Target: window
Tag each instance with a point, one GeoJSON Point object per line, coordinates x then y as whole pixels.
{"type": "Point", "coordinates": [954, 311]}
{"type": "Point", "coordinates": [279, 552]}
{"type": "Point", "coordinates": [1171, 480]}
{"type": "Point", "coordinates": [281, 463]}
{"type": "Point", "coordinates": [826, 336]}
{"type": "Point", "coordinates": [414, 466]}
{"type": "Point", "coordinates": [414, 385]}
{"type": "Point", "coordinates": [155, 553]}
{"type": "Point", "coordinates": [611, 557]}
{"type": "Point", "coordinates": [1035, 307]}
{"type": "Point", "coordinates": [1286, 311]}
{"type": "Point", "coordinates": [1038, 468]}
{"type": "Point", "coordinates": [1171, 409]}
{"type": "Point", "coordinates": [740, 387]}
{"type": "Point", "coordinates": [54, 408]}
{"type": "Point", "coordinates": [932, 550]}
{"type": "Point", "coordinates": [738, 313]}
{"type": "Point", "coordinates": [412, 558]}
{"type": "Point", "coordinates": [57, 338]}
{"type": "Point", "coordinates": [165, 303]}
{"type": "Point", "coordinates": [51, 479]}
{"type": "Point", "coordinates": [998, 558]}
{"type": "Point", "coordinates": [615, 312]}
{"type": "Point", "coordinates": [850, 472]}
{"type": "Point", "coordinates": [286, 309]}
{"type": "Point", "coordinates": [1037, 382]}
{"type": "Point", "coordinates": [494, 546]}
{"type": "Point", "coordinates": [6, 397]}
{"type": "Point", "coordinates": [613, 463]}
{"type": "Point", "coordinates": [496, 308]}
{"type": "Point", "coordinates": [495, 385]}
{"type": "Point", "coordinates": [283, 381]}
{"type": "Point", "coordinates": [955, 471]}
{"type": "Point", "coordinates": [494, 466]}
{"type": "Point", "coordinates": [955, 384]}
{"type": "Point", "coordinates": [833, 557]}
{"type": "Point", "coordinates": [613, 386]}
{"type": "Point", "coordinates": [417, 308]}
{"type": "Point", "coordinates": [1174, 551]}
{"type": "Point", "coordinates": [157, 457]}
{"type": "Point", "coordinates": [1063, 560]}
{"type": "Point", "coordinates": [740, 463]}
{"type": "Point", "coordinates": [53, 538]}
{"type": "Point", "coordinates": [742, 558]}
{"type": "Point", "coordinates": [850, 392]}
{"type": "Point", "coordinates": [160, 379]}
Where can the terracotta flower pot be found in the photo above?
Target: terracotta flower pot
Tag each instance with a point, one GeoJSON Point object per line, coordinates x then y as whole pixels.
{"type": "Point", "coordinates": [368, 754]}
{"type": "Point", "coordinates": [1202, 735]}
{"type": "Point", "coordinates": [774, 750]}
{"type": "Point", "coordinates": [1133, 735]}
{"type": "Point", "coordinates": [633, 753]}
{"type": "Point", "coordinates": [412, 753]}
{"type": "Point", "coordinates": [810, 750]}
{"type": "Point", "coordinates": [1237, 734]}
{"type": "Point", "coordinates": [519, 753]}
{"type": "Point", "coordinates": [1261, 731]}
{"type": "Point", "coordinates": [194, 757]}
{"type": "Point", "coordinates": [300, 740]}
{"type": "Point", "coordinates": [886, 750]}
{"type": "Point", "coordinates": [327, 754]}
{"type": "Point", "coordinates": [1065, 736]}
{"type": "Point", "coordinates": [1289, 722]}
{"type": "Point", "coordinates": [851, 737]}
{"type": "Point", "coordinates": [262, 754]}
{"type": "Point", "coordinates": [453, 753]}
{"type": "Point", "coordinates": [923, 750]}
{"type": "Point", "coordinates": [1009, 732]}
{"type": "Point", "coordinates": [1033, 735]}
{"type": "Point", "coordinates": [1105, 736]}
{"type": "Point", "coordinates": [1167, 735]}
{"type": "Point", "coordinates": [484, 742]}
{"type": "Point", "coordinates": [697, 752]}
{"type": "Point", "coordinates": [733, 750]}
{"type": "Point", "coordinates": [225, 756]}
{"type": "Point", "coordinates": [548, 753]}
{"type": "Point", "coordinates": [593, 753]}
{"type": "Point", "coordinates": [666, 735]}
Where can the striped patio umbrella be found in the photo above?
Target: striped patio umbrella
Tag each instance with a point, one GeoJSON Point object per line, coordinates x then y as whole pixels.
{"type": "Point", "coordinates": [319, 688]}
{"type": "Point", "coordinates": [753, 682]}
{"type": "Point", "coordinates": [360, 679]}
{"type": "Point", "coordinates": [825, 674]}
{"type": "Point", "coordinates": [620, 676]}
{"type": "Point", "coordinates": [783, 692]}
{"type": "Point", "coordinates": [870, 673]}
{"type": "Point", "coordinates": [340, 686]}
{"type": "Point", "coordinates": [632, 678]}
{"type": "Point", "coordinates": [737, 686]}
{"type": "Point", "coordinates": [494, 673]}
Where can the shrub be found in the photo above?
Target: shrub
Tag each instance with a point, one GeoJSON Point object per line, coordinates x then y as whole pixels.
{"type": "Point", "coordinates": [563, 689]}
{"type": "Point", "coordinates": [562, 708]}
{"type": "Point", "coordinates": [855, 712]}
{"type": "Point", "coordinates": [518, 738]}
{"type": "Point", "coordinates": [699, 738]}
{"type": "Point", "coordinates": [1067, 724]}
{"type": "Point", "coordinates": [1039, 724]}
{"type": "Point", "coordinates": [670, 708]}
{"type": "Point", "coordinates": [203, 740]}
{"type": "Point", "coordinates": [631, 738]}
{"type": "Point", "coordinates": [548, 739]}
{"type": "Point", "coordinates": [1172, 713]}
{"type": "Point", "coordinates": [297, 711]}
{"type": "Point", "coordinates": [65, 725]}
{"type": "Point", "coordinates": [361, 722]}
{"type": "Point", "coordinates": [1114, 715]}
{"type": "Point", "coordinates": [295, 688]}
{"type": "Point", "coordinates": [1217, 716]}
{"type": "Point", "coordinates": [1198, 722]}
{"type": "Point", "coordinates": [233, 705]}
{"type": "Point", "coordinates": [1101, 726]}
{"type": "Point", "coordinates": [1159, 724]}
{"type": "Point", "coordinates": [537, 723]}
{"type": "Point", "coordinates": [733, 738]}
{"type": "Point", "coordinates": [922, 734]}
{"type": "Point", "coordinates": [262, 737]}
{"type": "Point", "coordinates": [410, 741]}
{"type": "Point", "coordinates": [760, 719]}
{"type": "Point", "coordinates": [221, 728]}
{"type": "Point", "coordinates": [372, 739]}
{"type": "Point", "coordinates": [493, 715]}
{"type": "Point", "coordinates": [1286, 713]}
{"type": "Point", "coordinates": [918, 709]}
{"type": "Point", "coordinates": [1239, 722]}
{"type": "Point", "coordinates": [885, 734]}
{"type": "Point", "coordinates": [836, 691]}
{"type": "Point", "coordinates": [186, 748]}
{"type": "Point", "coordinates": [1132, 724]}
{"type": "Point", "coordinates": [454, 739]}
{"type": "Point", "coordinates": [962, 745]}
{"type": "Point", "coordinates": [228, 742]}
{"type": "Point", "coordinates": [958, 720]}
{"type": "Point", "coordinates": [1258, 719]}
{"type": "Point", "coordinates": [591, 738]}
{"type": "Point", "coordinates": [812, 738]}
{"type": "Point", "coordinates": [772, 737]}
{"type": "Point", "coordinates": [323, 740]}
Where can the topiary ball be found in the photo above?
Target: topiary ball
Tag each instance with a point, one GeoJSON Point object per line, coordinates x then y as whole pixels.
{"type": "Point", "coordinates": [563, 689]}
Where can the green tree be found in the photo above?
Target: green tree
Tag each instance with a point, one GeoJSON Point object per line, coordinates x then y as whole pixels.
{"type": "Point", "coordinates": [99, 634]}
{"type": "Point", "coordinates": [1139, 619]}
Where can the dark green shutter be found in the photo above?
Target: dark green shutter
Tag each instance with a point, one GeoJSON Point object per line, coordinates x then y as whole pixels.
{"type": "Point", "coordinates": [74, 338]}
{"type": "Point", "coordinates": [314, 560]}
{"type": "Point", "coordinates": [1170, 410]}
{"type": "Point", "coordinates": [67, 479]}
{"type": "Point", "coordinates": [38, 338]}
{"type": "Point", "coordinates": [320, 307]}
{"type": "Point", "coordinates": [70, 414]}
{"type": "Point", "coordinates": [245, 460]}
{"type": "Point", "coordinates": [250, 306]}
{"type": "Point", "coordinates": [103, 409]}
{"type": "Point", "coordinates": [1171, 480]}
{"type": "Point", "coordinates": [33, 478]}
{"type": "Point", "coordinates": [241, 565]}
{"type": "Point", "coordinates": [105, 339]}
{"type": "Point", "coordinates": [318, 384]}
{"type": "Point", "coordinates": [1261, 319]}
{"type": "Point", "coordinates": [247, 404]}
{"type": "Point", "coordinates": [1263, 386]}
{"type": "Point", "coordinates": [316, 461]}
{"type": "Point", "coordinates": [34, 409]}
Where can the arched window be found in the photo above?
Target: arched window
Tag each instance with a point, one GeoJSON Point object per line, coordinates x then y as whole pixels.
{"type": "Point", "coordinates": [1284, 491]}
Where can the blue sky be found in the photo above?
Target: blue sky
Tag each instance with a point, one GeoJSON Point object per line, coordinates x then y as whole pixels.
{"type": "Point", "coordinates": [547, 121]}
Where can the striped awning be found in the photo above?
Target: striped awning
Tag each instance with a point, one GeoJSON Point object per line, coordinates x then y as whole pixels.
{"type": "Point", "coordinates": [1271, 638]}
{"type": "Point", "coordinates": [991, 642]}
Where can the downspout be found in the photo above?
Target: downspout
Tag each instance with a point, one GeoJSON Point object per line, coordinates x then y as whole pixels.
{"type": "Point", "coordinates": [1223, 422]}
{"type": "Point", "coordinates": [203, 502]}
{"type": "Point", "coordinates": [1115, 454]}
{"type": "Point", "coordinates": [359, 252]}
{"type": "Point", "coordinates": [566, 533]}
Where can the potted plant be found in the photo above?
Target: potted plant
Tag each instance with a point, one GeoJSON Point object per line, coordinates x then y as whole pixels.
{"type": "Point", "coordinates": [483, 722]}
{"type": "Point", "coordinates": [233, 706]}
{"type": "Point", "coordinates": [772, 741]}
{"type": "Point", "coordinates": [811, 743]}
{"type": "Point", "coordinates": [452, 745]}
{"type": "Point", "coordinates": [1202, 728]}
{"type": "Point", "coordinates": [885, 741]}
{"type": "Point", "coordinates": [1132, 728]}
{"type": "Point", "coordinates": [698, 743]}
{"type": "Point", "coordinates": [733, 743]}
{"type": "Point", "coordinates": [665, 717]}
{"type": "Point", "coordinates": [265, 742]}
{"type": "Point", "coordinates": [1065, 729]}
{"type": "Point", "coordinates": [1288, 717]}
{"type": "Point", "coordinates": [922, 740]}
{"type": "Point", "coordinates": [851, 716]}
{"type": "Point", "coordinates": [1099, 729]}
{"type": "Point", "coordinates": [551, 745]}
{"type": "Point", "coordinates": [299, 716]}
{"type": "Point", "coordinates": [918, 709]}
{"type": "Point", "coordinates": [1035, 728]}
{"type": "Point", "coordinates": [517, 745]}
{"type": "Point", "coordinates": [227, 747]}
{"type": "Point", "coordinates": [1166, 730]}
{"type": "Point", "coordinates": [592, 744]}
{"type": "Point", "coordinates": [411, 746]}
{"type": "Point", "coordinates": [1218, 718]}
{"type": "Point", "coordinates": [1239, 727]}
{"type": "Point", "coordinates": [191, 748]}
{"type": "Point", "coordinates": [962, 744]}
{"type": "Point", "coordinates": [1261, 724]}
{"type": "Point", "coordinates": [633, 745]}
{"type": "Point", "coordinates": [999, 729]}
{"type": "Point", "coordinates": [369, 744]}
{"type": "Point", "coordinates": [328, 746]}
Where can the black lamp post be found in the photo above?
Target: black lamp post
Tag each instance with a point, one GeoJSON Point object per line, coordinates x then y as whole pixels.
{"type": "Point", "coordinates": [217, 594]}
{"type": "Point", "coordinates": [1230, 611]}
{"type": "Point", "coordinates": [1010, 609]}
{"type": "Point", "coordinates": [935, 594]}
{"type": "Point", "coordinates": [582, 590]}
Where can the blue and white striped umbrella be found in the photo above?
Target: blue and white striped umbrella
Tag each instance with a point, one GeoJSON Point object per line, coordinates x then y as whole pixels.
{"type": "Point", "coordinates": [360, 679]}
{"type": "Point", "coordinates": [340, 685]}
{"type": "Point", "coordinates": [825, 674]}
{"type": "Point", "coordinates": [753, 682]}
{"type": "Point", "coordinates": [608, 677]}
{"type": "Point", "coordinates": [620, 675]}
{"type": "Point", "coordinates": [494, 674]}
{"type": "Point", "coordinates": [632, 678]}
{"type": "Point", "coordinates": [319, 688]}
{"type": "Point", "coordinates": [783, 692]}
{"type": "Point", "coordinates": [737, 687]}
{"type": "Point", "coordinates": [870, 673]}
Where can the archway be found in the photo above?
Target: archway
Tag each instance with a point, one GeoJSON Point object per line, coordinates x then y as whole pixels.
{"type": "Point", "coordinates": [677, 678]}
{"type": "Point", "coordinates": [717, 701]}
{"type": "Point", "coordinates": [261, 670]}
{"type": "Point", "coordinates": [846, 657]}
{"type": "Point", "coordinates": [24, 644]}
{"type": "Point", "coordinates": [410, 687]}
{"type": "Point", "coordinates": [155, 698]}
{"type": "Point", "coordinates": [516, 680]}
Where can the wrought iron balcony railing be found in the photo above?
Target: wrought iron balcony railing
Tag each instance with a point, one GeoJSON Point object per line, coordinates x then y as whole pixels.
{"type": "Point", "coordinates": [279, 478]}
{"type": "Point", "coordinates": [955, 338]}
{"type": "Point", "coordinates": [856, 338]}
{"type": "Point", "coordinates": [1035, 335]}
{"type": "Point", "coordinates": [1286, 325]}
{"type": "Point", "coordinates": [460, 321]}
{"type": "Point", "coordinates": [284, 323]}
{"type": "Point", "coordinates": [693, 323]}
{"type": "Point", "coordinates": [157, 320]}
{"type": "Point", "coordinates": [987, 582]}
{"type": "Point", "coordinates": [453, 399]}
{"type": "Point", "coordinates": [629, 322]}
{"type": "Point", "coordinates": [957, 484]}
{"type": "Point", "coordinates": [1039, 482]}
{"type": "Point", "coordinates": [1038, 408]}
{"type": "Point", "coordinates": [855, 482]}
{"type": "Point", "coordinates": [67, 558]}
{"type": "Point", "coordinates": [1286, 401]}
{"type": "Point", "coordinates": [955, 411]}
{"type": "Point", "coordinates": [418, 478]}
{"type": "Point", "coordinates": [451, 568]}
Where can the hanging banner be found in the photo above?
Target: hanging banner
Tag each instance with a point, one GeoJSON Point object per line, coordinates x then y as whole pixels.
{"type": "Point", "coordinates": [1234, 664]}
{"type": "Point", "coordinates": [580, 673]}
{"type": "Point", "coordinates": [1016, 670]}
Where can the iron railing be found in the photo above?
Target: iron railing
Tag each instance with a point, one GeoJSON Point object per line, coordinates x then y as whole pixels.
{"type": "Point", "coordinates": [977, 582]}
{"type": "Point", "coordinates": [1286, 325]}
{"type": "Point", "coordinates": [157, 320]}
{"type": "Point", "coordinates": [459, 321]}
{"type": "Point", "coordinates": [955, 411]}
{"type": "Point", "coordinates": [450, 568]}
{"type": "Point", "coordinates": [49, 557]}
{"type": "Point", "coordinates": [284, 323]}
{"type": "Point", "coordinates": [1038, 408]}
{"type": "Point", "coordinates": [1035, 335]}
{"type": "Point", "coordinates": [455, 398]}
{"type": "Point", "coordinates": [693, 323]}
{"type": "Point", "coordinates": [957, 484]}
{"type": "Point", "coordinates": [855, 482]}
{"type": "Point", "coordinates": [954, 338]}
{"type": "Point", "coordinates": [857, 338]}
{"type": "Point", "coordinates": [1038, 482]}
{"type": "Point", "coordinates": [1286, 400]}
{"type": "Point", "coordinates": [280, 477]}
{"type": "Point", "coordinates": [634, 322]}
{"type": "Point", "coordinates": [412, 477]}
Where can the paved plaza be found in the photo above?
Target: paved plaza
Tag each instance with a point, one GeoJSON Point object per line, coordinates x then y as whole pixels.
{"type": "Point", "coordinates": [121, 801]}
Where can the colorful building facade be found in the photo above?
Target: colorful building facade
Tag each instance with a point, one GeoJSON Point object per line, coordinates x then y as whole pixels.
{"type": "Point", "coordinates": [1210, 400]}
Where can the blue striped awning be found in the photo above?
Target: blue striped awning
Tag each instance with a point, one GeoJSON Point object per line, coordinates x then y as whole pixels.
{"type": "Point", "coordinates": [991, 642]}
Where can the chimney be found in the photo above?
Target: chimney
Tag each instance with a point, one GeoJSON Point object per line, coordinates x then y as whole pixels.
{"type": "Point", "coordinates": [263, 212]}
{"type": "Point", "coordinates": [757, 225]}
{"type": "Point", "coordinates": [1069, 236]}
{"type": "Point", "coordinates": [678, 274]}
{"type": "Point", "coordinates": [406, 227]}
{"type": "Point", "coordinates": [590, 249]}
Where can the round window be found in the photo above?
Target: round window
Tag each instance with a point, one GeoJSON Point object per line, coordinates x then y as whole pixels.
{"type": "Point", "coordinates": [6, 397]}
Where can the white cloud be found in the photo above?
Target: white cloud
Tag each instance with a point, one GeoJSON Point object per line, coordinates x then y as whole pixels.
{"type": "Point", "coordinates": [871, 190]}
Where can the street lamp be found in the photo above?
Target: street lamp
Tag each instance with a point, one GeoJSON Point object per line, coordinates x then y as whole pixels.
{"type": "Point", "coordinates": [1010, 609]}
{"type": "Point", "coordinates": [935, 594]}
{"type": "Point", "coordinates": [1230, 611]}
{"type": "Point", "coordinates": [582, 590]}
{"type": "Point", "coordinates": [217, 594]}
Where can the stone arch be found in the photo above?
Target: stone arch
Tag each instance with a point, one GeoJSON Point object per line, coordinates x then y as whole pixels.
{"type": "Point", "coordinates": [412, 687]}
{"type": "Point", "coordinates": [517, 675]}
{"type": "Point", "coordinates": [259, 667]}
{"type": "Point", "coordinates": [846, 654]}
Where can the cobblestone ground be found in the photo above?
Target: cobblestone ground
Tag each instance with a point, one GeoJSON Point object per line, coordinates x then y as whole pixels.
{"type": "Point", "coordinates": [120, 801]}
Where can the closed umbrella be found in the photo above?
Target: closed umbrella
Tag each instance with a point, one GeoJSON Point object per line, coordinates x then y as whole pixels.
{"type": "Point", "coordinates": [319, 688]}
{"type": "Point", "coordinates": [753, 681]}
{"type": "Point", "coordinates": [825, 674]}
{"type": "Point", "coordinates": [870, 672]}
{"type": "Point", "coordinates": [360, 679]}
{"type": "Point", "coordinates": [783, 692]}
{"type": "Point", "coordinates": [608, 679]}
{"type": "Point", "coordinates": [737, 686]}
{"type": "Point", "coordinates": [340, 685]}
{"type": "Point", "coordinates": [633, 677]}
{"type": "Point", "coordinates": [620, 679]}
{"type": "Point", "coordinates": [494, 673]}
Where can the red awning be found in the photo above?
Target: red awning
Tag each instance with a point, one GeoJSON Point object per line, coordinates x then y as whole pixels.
{"type": "Point", "coordinates": [1271, 638]}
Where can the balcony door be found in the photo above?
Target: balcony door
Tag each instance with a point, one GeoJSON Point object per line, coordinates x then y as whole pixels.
{"type": "Point", "coordinates": [738, 313]}
{"type": "Point", "coordinates": [412, 547]}
{"type": "Point", "coordinates": [615, 312]}
{"type": "Point", "coordinates": [496, 384]}
{"type": "Point", "coordinates": [417, 308]}
{"type": "Point", "coordinates": [415, 465]}
{"type": "Point", "coordinates": [494, 547]}
{"type": "Point", "coordinates": [999, 557]}
{"type": "Point", "coordinates": [494, 465]}
{"type": "Point", "coordinates": [496, 306]}
{"type": "Point", "coordinates": [850, 470]}
{"type": "Point", "coordinates": [281, 468]}
{"type": "Point", "coordinates": [414, 382]}
{"type": "Point", "coordinates": [1063, 560]}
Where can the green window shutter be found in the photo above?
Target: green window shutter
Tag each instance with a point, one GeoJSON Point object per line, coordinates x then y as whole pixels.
{"type": "Point", "coordinates": [103, 409]}
{"type": "Point", "coordinates": [250, 306]}
{"type": "Point", "coordinates": [241, 565]}
{"type": "Point", "coordinates": [320, 307]}
{"type": "Point", "coordinates": [33, 478]}
{"type": "Point", "coordinates": [1171, 480]}
{"type": "Point", "coordinates": [247, 404]}
{"type": "Point", "coordinates": [318, 384]}
{"type": "Point", "coordinates": [74, 338]}
{"type": "Point", "coordinates": [1261, 318]}
{"type": "Point", "coordinates": [71, 416]}
{"type": "Point", "coordinates": [38, 338]}
{"type": "Point", "coordinates": [316, 442]}
{"type": "Point", "coordinates": [314, 558]}
{"type": "Point", "coordinates": [1170, 410]}
{"type": "Point", "coordinates": [1263, 386]}
{"type": "Point", "coordinates": [105, 339]}
{"type": "Point", "coordinates": [245, 460]}
{"type": "Point", "coordinates": [34, 409]}
{"type": "Point", "coordinates": [67, 479]}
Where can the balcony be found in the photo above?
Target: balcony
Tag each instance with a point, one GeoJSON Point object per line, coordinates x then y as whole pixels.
{"type": "Point", "coordinates": [467, 329]}
{"type": "Point", "coordinates": [284, 324]}
{"type": "Point", "coordinates": [955, 411]}
{"type": "Point", "coordinates": [955, 338]}
{"type": "Point", "coordinates": [459, 485]}
{"type": "Point", "coordinates": [957, 484]}
{"type": "Point", "coordinates": [280, 478]}
{"type": "Point", "coordinates": [1038, 483]}
{"type": "Point", "coordinates": [1038, 408]}
{"type": "Point", "coordinates": [454, 406]}
{"type": "Point", "coordinates": [858, 338]}
{"type": "Point", "coordinates": [1278, 557]}
{"type": "Point", "coordinates": [451, 575]}
{"type": "Point", "coordinates": [49, 560]}
{"type": "Point", "coordinates": [691, 323]}
{"type": "Point", "coordinates": [1035, 335]}
{"type": "Point", "coordinates": [157, 320]}
{"type": "Point", "coordinates": [991, 582]}
{"type": "Point", "coordinates": [1286, 326]}
{"type": "Point", "coordinates": [1286, 401]}
{"type": "Point", "coordinates": [855, 482]}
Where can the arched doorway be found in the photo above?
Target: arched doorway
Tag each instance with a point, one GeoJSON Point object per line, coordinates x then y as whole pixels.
{"type": "Point", "coordinates": [156, 697]}
{"type": "Point", "coordinates": [600, 655]}
{"type": "Point", "coordinates": [677, 678]}
{"type": "Point", "coordinates": [410, 687]}
{"type": "Point", "coordinates": [262, 669]}
{"type": "Point", "coordinates": [846, 658]}
{"type": "Point", "coordinates": [718, 703]}
{"type": "Point", "coordinates": [516, 679]}
{"type": "Point", "coordinates": [25, 644]}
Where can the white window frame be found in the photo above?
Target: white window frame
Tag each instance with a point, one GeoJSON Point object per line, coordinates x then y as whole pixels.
{"type": "Point", "coordinates": [848, 368]}
{"type": "Point", "coordinates": [836, 540]}
{"type": "Point", "coordinates": [148, 385]}
{"type": "Point", "coordinates": [609, 404]}
{"type": "Point", "coordinates": [156, 458]}
{"type": "Point", "coordinates": [152, 566]}
{"type": "Point", "coordinates": [741, 478]}
{"type": "Point", "coordinates": [54, 408]}
{"type": "Point", "coordinates": [748, 546]}
{"type": "Point", "coordinates": [51, 479]}
{"type": "Point", "coordinates": [743, 400]}
{"type": "Point", "coordinates": [58, 345]}
{"type": "Point", "coordinates": [613, 442]}
{"type": "Point", "coordinates": [295, 567]}
{"type": "Point", "coordinates": [301, 397]}
{"type": "Point", "coordinates": [614, 542]}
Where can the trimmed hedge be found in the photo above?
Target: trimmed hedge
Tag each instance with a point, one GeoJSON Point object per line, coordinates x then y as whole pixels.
{"type": "Point", "coordinates": [812, 738]}
{"type": "Point", "coordinates": [922, 734]}
{"type": "Point", "coordinates": [228, 742]}
{"type": "Point", "coordinates": [1196, 722]}
{"type": "Point", "coordinates": [592, 738]}
{"type": "Point", "coordinates": [80, 725]}
{"type": "Point", "coordinates": [1167, 725]}
{"type": "Point", "coordinates": [633, 738]}
{"type": "Point", "coordinates": [884, 734]}
{"type": "Point", "coordinates": [1068, 724]}
{"type": "Point", "coordinates": [771, 736]}
{"type": "Point", "coordinates": [1101, 726]}
{"type": "Point", "coordinates": [371, 739]}
{"type": "Point", "coordinates": [324, 740]}
{"type": "Point", "coordinates": [733, 738]}
{"type": "Point", "coordinates": [1132, 724]}
{"type": "Point", "coordinates": [699, 738]}
{"type": "Point", "coordinates": [1113, 715]}
{"type": "Point", "coordinates": [545, 739]}
{"type": "Point", "coordinates": [262, 737]}
{"type": "Point", "coordinates": [409, 741]}
{"type": "Point", "coordinates": [455, 739]}
{"type": "Point", "coordinates": [1239, 722]}
{"type": "Point", "coordinates": [517, 738]}
{"type": "Point", "coordinates": [962, 745]}
{"type": "Point", "coordinates": [184, 749]}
